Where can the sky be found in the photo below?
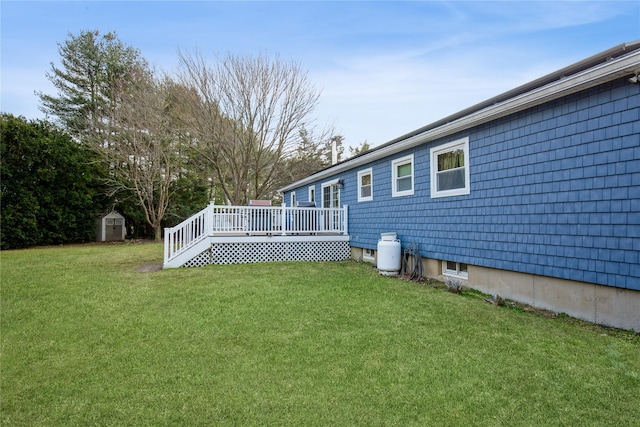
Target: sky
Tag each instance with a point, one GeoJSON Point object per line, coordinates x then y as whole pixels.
{"type": "Point", "coordinates": [384, 68]}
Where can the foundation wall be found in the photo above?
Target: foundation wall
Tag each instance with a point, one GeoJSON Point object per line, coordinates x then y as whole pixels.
{"type": "Point", "coordinates": [603, 305]}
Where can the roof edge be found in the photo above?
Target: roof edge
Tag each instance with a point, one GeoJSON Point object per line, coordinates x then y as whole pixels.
{"type": "Point", "coordinates": [569, 75]}
{"type": "Point", "coordinates": [562, 73]}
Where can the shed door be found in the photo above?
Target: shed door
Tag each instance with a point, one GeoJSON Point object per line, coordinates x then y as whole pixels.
{"type": "Point", "coordinates": [113, 229]}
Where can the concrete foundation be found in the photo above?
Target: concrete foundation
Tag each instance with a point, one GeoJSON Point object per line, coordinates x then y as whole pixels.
{"type": "Point", "coordinates": [603, 305]}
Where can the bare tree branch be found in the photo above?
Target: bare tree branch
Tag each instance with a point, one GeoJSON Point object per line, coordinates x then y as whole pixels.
{"type": "Point", "coordinates": [247, 118]}
{"type": "Point", "coordinates": [142, 146]}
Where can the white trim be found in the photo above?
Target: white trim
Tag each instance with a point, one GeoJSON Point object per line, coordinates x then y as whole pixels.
{"type": "Point", "coordinates": [293, 199]}
{"type": "Point", "coordinates": [332, 183]}
{"type": "Point", "coordinates": [455, 273]}
{"type": "Point", "coordinates": [394, 175]}
{"type": "Point", "coordinates": [600, 74]}
{"type": "Point", "coordinates": [450, 146]}
{"type": "Point", "coordinates": [364, 172]}
{"type": "Point", "coordinates": [311, 196]}
{"type": "Point", "coordinates": [278, 238]}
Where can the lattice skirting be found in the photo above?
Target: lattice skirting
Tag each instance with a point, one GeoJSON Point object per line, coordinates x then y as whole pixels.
{"type": "Point", "coordinates": [200, 261]}
{"type": "Point", "coordinates": [246, 253]}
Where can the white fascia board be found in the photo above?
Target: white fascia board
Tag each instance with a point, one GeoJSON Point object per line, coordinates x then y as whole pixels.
{"type": "Point", "coordinates": [332, 182]}
{"type": "Point", "coordinates": [608, 71]}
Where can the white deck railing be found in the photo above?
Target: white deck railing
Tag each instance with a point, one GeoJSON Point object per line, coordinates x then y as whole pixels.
{"type": "Point", "coordinates": [252, 221]}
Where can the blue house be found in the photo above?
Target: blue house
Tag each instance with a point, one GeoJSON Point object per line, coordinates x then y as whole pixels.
{"type": "Point", "coordinates": [533, 195]}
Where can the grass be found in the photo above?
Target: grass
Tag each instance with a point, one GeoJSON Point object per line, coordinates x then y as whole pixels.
{"type": "Point", "coordinates": [88, 341]}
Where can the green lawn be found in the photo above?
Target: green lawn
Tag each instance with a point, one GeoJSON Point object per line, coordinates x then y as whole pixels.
{"type": "Point", "coordinates": [88, 341]}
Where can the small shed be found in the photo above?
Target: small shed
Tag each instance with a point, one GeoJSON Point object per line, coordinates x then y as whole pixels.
{"type": "Point", "coordinates": [111, 227]}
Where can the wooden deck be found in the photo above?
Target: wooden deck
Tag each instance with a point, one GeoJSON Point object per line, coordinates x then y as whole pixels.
{"type": "Point", "coordinates": [243, 234]}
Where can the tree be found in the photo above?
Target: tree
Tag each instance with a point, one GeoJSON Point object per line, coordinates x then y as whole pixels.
{"type": "Point", "coordinates": [111, 102]}
{"type": "Point", "coordinates": [92, 69]}
{"type": "Point", "coordinates": [311, 155]}
{"type": "Point", "coordinates": [49, 190]}
{"type": "Point", "coordinates": [141, 143]}
{"type": "Point", "coordinates": [308, 156]}
{"type": "Point", "coordinates": [354, 151]}
{"type": "Point", "coordinates": [247, 118]}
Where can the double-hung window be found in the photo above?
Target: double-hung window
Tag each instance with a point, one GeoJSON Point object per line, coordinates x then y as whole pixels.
{"type": "Point", "coordinates": [450, 169]}
{"type": "Point", "coordinates": [365, 185]}
{"type": "Point", "coordinates": [402, 176]}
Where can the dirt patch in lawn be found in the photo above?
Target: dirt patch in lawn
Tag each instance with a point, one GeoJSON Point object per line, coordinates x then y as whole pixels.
{"type": "Point", "coordinates": [149, 268]}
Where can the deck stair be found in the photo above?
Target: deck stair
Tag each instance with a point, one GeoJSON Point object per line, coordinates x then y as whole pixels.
{"type": "Point", "coordinates": [257, 233]}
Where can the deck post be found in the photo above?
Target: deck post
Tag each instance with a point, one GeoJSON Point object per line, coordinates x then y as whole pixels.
{"type": "Point", "coordinates": [209, 218]}
{"type": "Point", "coordinates": [283, 219]}
{"type": "Point", "coordinates": [345, 212]}
{"type": "Point", "coordinates": [167, 237]}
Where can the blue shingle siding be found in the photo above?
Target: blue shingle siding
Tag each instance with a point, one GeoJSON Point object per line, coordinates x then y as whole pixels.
{"type": "Point", "coordinates": [555, 191]}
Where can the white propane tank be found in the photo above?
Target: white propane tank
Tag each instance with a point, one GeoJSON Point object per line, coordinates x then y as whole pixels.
{"type": "Point", "coordinates": [389, 256]}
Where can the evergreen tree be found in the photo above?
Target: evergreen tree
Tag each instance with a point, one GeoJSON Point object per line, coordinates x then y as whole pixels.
{"type": "Point", "coordinates": [110, 100]}
{"type": "Point", "coordinates": [355, 151]}
{"type": "Point", "coordinates": [92, 72]}
{"type": "Point", "coordinates": [48, 189]}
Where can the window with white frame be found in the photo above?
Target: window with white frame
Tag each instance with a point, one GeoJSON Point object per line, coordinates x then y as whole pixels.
{"type": "Point", "coordinates": [365, 185]}
{"type": "Point", "coordinates": [312, 194]}
{"type": "Point", "coordinates": [293, 199]}
{"type": "Point", "coordinates": [455, 269]}
{"type": "Point", "coordinates": [402, 175]}
{"type": "Point", "coordinates": [368, 254]}
{"type": "Point", "coordinates": [450, 169]}
{"type": "Point", "coordinates": [331, 199]}
{"type": "Point", "coordinates": [330, 194]}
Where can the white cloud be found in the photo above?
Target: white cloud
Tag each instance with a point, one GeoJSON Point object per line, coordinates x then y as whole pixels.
{"type": "Point", "coordinates": [385, 68]}
{"type": "Point", "coordinates": [380, 98]}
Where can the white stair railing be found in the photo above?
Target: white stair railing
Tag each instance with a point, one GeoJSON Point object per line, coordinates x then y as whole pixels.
{"type": "Point", "coordinates": [180, 238]}
{"type": "Point", "coordinates": [249, 221]}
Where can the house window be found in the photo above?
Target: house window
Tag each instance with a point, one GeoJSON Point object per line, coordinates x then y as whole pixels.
{"type": "Point", "coordinates": [402, 184]}
{"type": "Point", "coordinates": [312, 194]}
{"type": "Point", "coordinates": [456, 269]}
{"type": "Point", "coordinates": [330, 195]}
{"type": "Point", "coordinates": [368, 255]}
{"type": "Point", "coordinates": [293, 199]}
{"type": "Point", "coordinates": [331, 199]}
{"type": "Point", "coordinates": [365, 185]}
{"type": "Point", "coordinates": [450, 169]}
